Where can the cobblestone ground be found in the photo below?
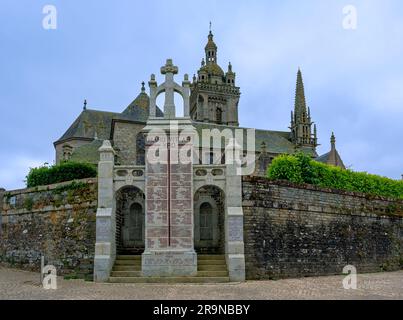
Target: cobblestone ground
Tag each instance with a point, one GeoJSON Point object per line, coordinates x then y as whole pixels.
{"type": "Point", "coordinates": [16, 284]}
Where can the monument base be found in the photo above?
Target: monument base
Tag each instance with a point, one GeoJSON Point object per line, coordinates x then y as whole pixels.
{"type": "Point", "coordinates": [169, 263]}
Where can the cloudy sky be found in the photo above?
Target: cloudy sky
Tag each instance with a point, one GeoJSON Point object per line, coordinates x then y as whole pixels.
{"type": "Point", "coordinates": [102, 50]}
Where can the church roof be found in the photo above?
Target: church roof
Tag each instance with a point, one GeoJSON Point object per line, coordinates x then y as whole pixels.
{"type": "Point", "coordinates": [327, 158]}
{"type": "Point", "coordinates": [213, 69]}
{"type": "Point", "coordinates": [96, 123]}
{"type": "Point", "coordinates": [276, 141]}
{"type": "Point", "coordinates": [139, 109]}
{"type": "Point", "coordinates": [90, 123]}
{"type": "Point", "coordinates": [323, 158]}
{"type": "Point", "coordinates": [332, 157]}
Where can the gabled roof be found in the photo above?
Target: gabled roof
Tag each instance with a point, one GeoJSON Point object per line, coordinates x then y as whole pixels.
{"type": "Point", "coordinates": [90, 124]}
{"type": "Point", "coordinates": [139, 109]}
{"type": "Point", "coordinates": [333, 159]}
{"type": "Point", "coordinates": [323, 158]}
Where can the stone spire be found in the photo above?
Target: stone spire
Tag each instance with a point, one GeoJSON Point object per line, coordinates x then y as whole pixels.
{"type": "Point", "coordinates": [333, 142]}
{"type": "Point", "coordinates": [301, 124]}
{"type": "Point", "coordinates": [300, 103]}
{"type": "Point", "coordinates": [333, 152]}
{"type": "Point", "coordinates": [334, 157]}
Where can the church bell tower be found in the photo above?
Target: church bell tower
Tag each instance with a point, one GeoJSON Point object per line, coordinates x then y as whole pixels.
{"type": "Point", "coordinates": [214, 95]}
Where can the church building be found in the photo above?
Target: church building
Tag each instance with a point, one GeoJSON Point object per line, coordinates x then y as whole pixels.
{"type": "Point", "coordinates": [178, 219]}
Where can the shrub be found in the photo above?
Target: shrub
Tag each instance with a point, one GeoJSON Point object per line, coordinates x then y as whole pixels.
{"type": "Point", "coordinates": [300, 168]}
{"type": "Point", "coordinates": [65, 171]}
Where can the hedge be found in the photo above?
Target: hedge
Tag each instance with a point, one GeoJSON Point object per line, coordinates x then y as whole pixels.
{"type": "Point", "coordinates": [65, 171]}
{"type": "Point", "coordinates": [301, 168]}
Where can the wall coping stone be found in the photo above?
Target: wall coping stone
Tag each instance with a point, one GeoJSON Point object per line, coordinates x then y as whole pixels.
{"type": "Point", "coordinates": [310, 187]}
{"type": "Point", "coordinates": [50, 208]}
{"type": "Point", "coordinates": [49, 187]}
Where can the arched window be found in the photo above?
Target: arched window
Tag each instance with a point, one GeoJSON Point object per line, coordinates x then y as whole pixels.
{"type": "Point", "coordinates": [219, 115]}
{"type": "Point", "coordinates": [136, 221]}
{"type": "Point", "coordinates": [206, 221]}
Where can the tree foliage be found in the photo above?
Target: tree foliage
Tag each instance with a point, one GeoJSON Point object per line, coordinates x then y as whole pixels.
{"type": "Point", "coordinates": [65, 171]}
{"type": "Point", "coordinates": [300, 168]}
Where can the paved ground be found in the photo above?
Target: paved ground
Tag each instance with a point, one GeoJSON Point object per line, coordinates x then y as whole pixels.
{"type": "Point", "coordinates": [16, 284]}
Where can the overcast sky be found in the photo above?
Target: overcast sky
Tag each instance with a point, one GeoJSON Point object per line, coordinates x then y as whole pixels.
{"type": "Point", "coordinates": [102, 50]}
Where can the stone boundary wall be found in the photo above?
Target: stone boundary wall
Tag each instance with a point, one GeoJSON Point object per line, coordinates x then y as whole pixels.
{"type": "Point", "coordinates": [302, 230]}
{"type": "Point", "coordinates": [56, 221]}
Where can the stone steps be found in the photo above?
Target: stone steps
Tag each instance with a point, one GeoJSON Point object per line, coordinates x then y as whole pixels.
{"type": "Point", "coordinates": [203, 257]}
{"type": "Point", "coordinates": [129, 257]}
{"type": "Point", "coordinates": [127, 262]}
{"type": "Point", "coordinates": [168, 279]}
{"type": "Point", "coordinates": [222, 267]}
{"type": "Point", "coordinates": [221, 273]}
{"type": "Point", "coordinates": [210, 269]}
{"type": "Point", "coordinates": [126, 273]}
{"type": "Point", "coordinates": [126, 268]}
{"type": "Point", "coordinates": [210, 262]}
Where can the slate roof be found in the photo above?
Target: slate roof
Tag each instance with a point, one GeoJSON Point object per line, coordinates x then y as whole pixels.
{"type": "Point", "coordinates": [326, 158]}
{"type": "Point", "coordinates": [96, 123]}
{"type": "Point", "coordinates": [276, 141]}
{"type": "Point", "coordinates": [139, 109]}
{"type": "Point", "coordinates": [323, 158]}
{"type": "Point", "coordinates": [90, 123]}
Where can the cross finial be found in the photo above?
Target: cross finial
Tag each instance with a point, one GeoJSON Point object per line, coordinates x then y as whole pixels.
{"type": "Point", "coordinates": [210, 27]}
{"type": "Point", "coordinates": [169, 67]}
{"type": "Point", "coordinates": [85, 104]}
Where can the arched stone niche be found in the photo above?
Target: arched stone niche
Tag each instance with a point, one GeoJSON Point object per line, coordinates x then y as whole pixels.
{"type": "Point", "coordinates": [130, 220]}
{"type": "Point", "coordinates": [209, 204]}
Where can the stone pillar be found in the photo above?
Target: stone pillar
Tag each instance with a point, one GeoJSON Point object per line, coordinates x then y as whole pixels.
{"type": "Point", "coordinates": [153, 96]}
{"type": "Point", "coordinates": [234, 245]}
{"type": "Point", "coordinates": [169, 247]}
{"type": "Point", "coordinates": [105, 247]}
{"type": "Point", "coordinates": [186, 96]}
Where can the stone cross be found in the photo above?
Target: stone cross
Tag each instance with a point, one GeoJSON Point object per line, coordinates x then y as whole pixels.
{"type": "Point", "coordinates": [169, 70]}
{"type": "Point", "coordinates": [169, 87]}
